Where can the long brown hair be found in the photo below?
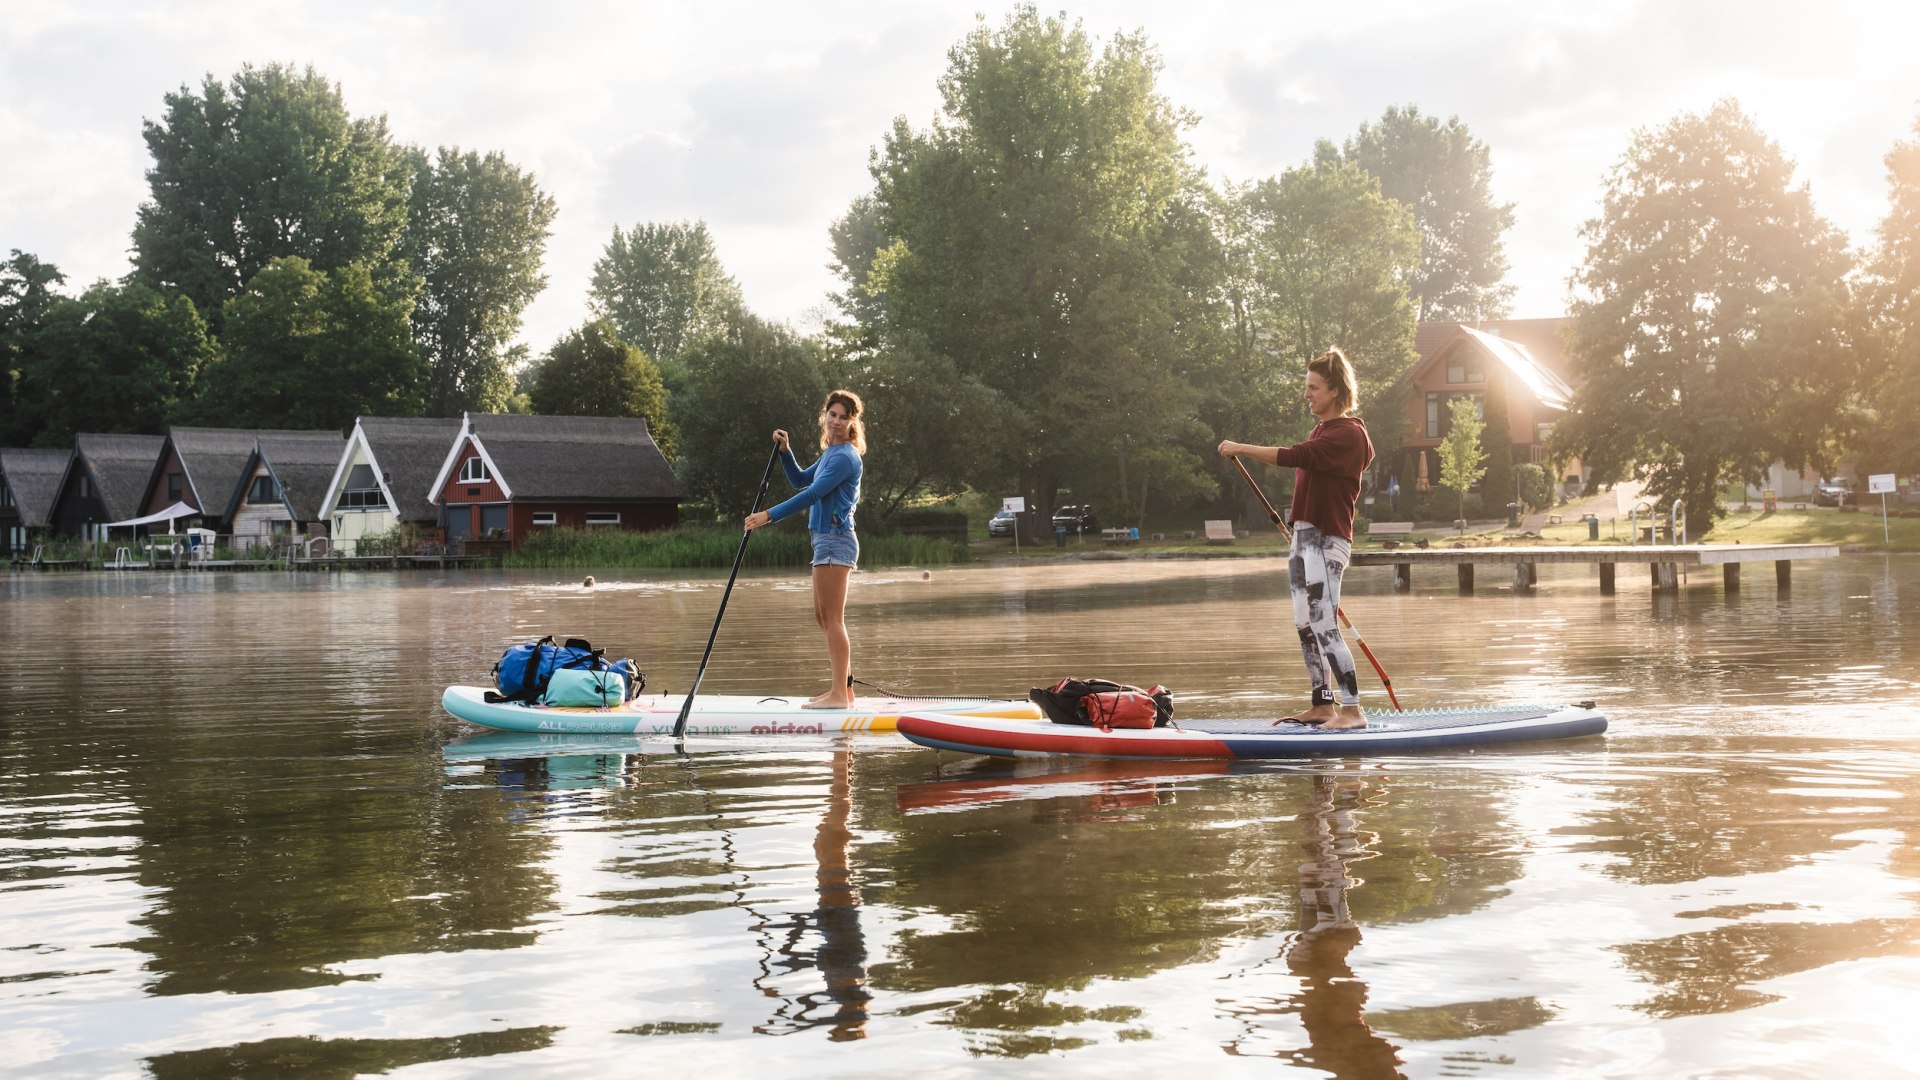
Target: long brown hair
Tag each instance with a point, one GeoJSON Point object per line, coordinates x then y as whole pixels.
{"type": "Point", "coordinates": [1337, 372]}
{"type": "Point", "coordinates": [856, 427]}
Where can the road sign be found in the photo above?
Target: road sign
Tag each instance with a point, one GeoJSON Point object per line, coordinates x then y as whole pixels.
{"type": "Point", "coordinates": [1880, 484]}
{"type": "Point", "coordinates": [1017, 504]}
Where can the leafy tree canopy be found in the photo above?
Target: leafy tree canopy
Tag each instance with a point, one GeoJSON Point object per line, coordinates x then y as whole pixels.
{"type": "Point", "coordinates": [1445, 175]}
{"type": "Point", "coordinates": [1890, 302]}
{"type": "Point", "coordinates": [1039, 237]}
{"type": "Point", "coordinates": [26, 295]}
{"type": "Point", "coordinates": [267, 165]}
{"type": "Point", "coordinates": [593, 372]}
{"type": "Point", "coordinates": [662, 286]}
{"type": "Point", "coordinates": [1328, 257]}
{"type": "Point", "coordinates": [477, 230]}
{"type": "Point", "coordinates": [309, 349]}
{"type": "Point", "coordinates": [742, 383]}
{"type": "Point", "coordinates": [1708, 340]}
{"type": "Point", "coordinates": [123, 356]}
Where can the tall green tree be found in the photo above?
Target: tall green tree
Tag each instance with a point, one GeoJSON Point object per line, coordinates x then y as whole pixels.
{"type": "Point", "coordinates": [662, 286]}
{"type": "Point", "coordinates": [1329, 257]}
{"type": "Point", "coordinates": [26, 297]}
{"type": "Point", "coordinates": [1890, 303]}
{"type": "Point", "coordinates": [1039, 236]}
{"type": "Point", "coordinates": [1497, 440]}
{"type": "Point", "coordinates": [1463, 461]}
{"type": "Point", "coordinates": [477, 229]}
{"type": "Point", "coordinates": [1708, 337]}
{"type": "Point", "coordinates": [923, 418]}
{"type": "Point", "coordinates": [743, 382]}
{"type": "Point", "coordinates": [311, 350]}
{"type": "Point", "coordinates": [122, 357]}
{"type": "Point", "coordinates": [264, 166]}
{"type": "Point", "coordinates": [593, 372]}
{"type": "Point", "coordinates": [1445, 175]}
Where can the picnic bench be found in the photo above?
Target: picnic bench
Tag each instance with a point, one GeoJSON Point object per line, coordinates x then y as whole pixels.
{"type": "Point", "coordinates": [1219, 532]}
{"type": "Point", "coordinates": [1120, 536]}
{"type": "Point", "coordinates": [1390, 528]}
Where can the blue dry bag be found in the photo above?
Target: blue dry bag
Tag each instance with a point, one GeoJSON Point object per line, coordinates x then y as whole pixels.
{"type": "Point", "coordinates": [523, 671]}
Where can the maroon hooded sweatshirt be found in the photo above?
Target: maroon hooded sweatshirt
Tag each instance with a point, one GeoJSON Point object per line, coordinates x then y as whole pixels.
{"type": "Point", "coordinates": [1326, 478]}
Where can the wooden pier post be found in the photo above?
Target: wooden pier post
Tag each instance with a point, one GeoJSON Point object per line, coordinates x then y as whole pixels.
{"type": "Point", "coordinates": [1606, 579]}
{"type": "Point", "coordinates": [1465, 571]}
{"type": "Point", "coordinates": [1730, 576]}
{"type": "Point", "coordinates": [1402, 577]}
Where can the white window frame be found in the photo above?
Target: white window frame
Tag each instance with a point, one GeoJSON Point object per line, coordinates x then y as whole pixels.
{"type": "Point", "coordinates": [545, 517]}
{"type": "Point", "coordinates": [474, 464]}
{"type": "Point", "coordinates": [602, 517]}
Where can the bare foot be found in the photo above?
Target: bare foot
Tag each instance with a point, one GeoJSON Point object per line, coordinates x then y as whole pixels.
{"type": "Point", "coordinates": [1319, 714]}
{"type": "Point", "coordinates": [829, 702]}
{"type": "Point", "coordinates": [1350, 719]}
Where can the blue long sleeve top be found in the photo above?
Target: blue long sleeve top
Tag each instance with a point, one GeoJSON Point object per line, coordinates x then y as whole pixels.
{"type": "Point", "coordinates": [831, 486]}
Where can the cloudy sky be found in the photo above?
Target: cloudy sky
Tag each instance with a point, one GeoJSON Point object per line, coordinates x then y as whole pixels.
{"type": "Point", "coordinates": [758, 117]}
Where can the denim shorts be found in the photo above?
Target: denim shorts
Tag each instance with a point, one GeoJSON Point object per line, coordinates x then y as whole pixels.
{"type": "Point", "coordinates": [836, 549]}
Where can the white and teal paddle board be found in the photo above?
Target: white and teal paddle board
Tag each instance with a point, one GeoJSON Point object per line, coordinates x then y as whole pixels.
{"type": "Point", "coordinates": [719, 714]}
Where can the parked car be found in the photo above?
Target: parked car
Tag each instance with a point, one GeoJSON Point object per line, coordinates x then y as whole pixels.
{"type": "Point", "coordinates": [1075, 519]}
{"type": "Point", "coordinates": [1832, 493]}
{"type": "Point", "coordinates": [1001, 524]}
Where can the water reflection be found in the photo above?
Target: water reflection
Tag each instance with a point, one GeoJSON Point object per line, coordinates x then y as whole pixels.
{"type": "Point", "coordinates": [237, 834]}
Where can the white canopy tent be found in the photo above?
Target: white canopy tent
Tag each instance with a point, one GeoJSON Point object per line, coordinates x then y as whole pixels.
{"type": "Point", "coordinates": [177, 510]}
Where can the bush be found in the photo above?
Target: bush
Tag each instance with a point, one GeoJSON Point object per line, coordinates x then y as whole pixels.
{"type": "Point", "coordinates": [1536, 487]}
{"type": "Point", "coordinates": [936, 521]}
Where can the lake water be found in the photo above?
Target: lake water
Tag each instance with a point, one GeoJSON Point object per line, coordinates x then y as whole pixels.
{"type": "Point", "coordinates": [239, 836]}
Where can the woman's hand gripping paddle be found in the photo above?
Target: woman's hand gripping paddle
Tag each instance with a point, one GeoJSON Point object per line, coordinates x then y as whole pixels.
{"type": "Point", "coordinates": [686, 707]}
{"type": "Point", "coordinates": [1281, 524]}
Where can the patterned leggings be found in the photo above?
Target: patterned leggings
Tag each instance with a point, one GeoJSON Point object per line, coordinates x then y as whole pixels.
{"type": "Point", "coordinates": [1315, 564]}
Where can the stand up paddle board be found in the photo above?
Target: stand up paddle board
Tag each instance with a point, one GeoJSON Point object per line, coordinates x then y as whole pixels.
{"type": "Point", "coordinates": [1387, 733]}
{"type": "Point", "coordinates": [717, 714]}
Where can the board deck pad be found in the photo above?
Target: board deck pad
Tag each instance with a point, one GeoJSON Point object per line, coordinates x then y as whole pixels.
{"type": "Point", "coordinates": [718, 714]}
{"type": "Point", "coordinates": [1423, 729]}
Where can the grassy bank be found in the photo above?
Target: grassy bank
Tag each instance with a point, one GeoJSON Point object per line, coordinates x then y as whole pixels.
{"type": "Point", "coordinates": [703, 546]}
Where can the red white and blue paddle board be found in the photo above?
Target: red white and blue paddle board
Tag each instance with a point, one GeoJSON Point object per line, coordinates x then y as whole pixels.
{"type": "Point", "coordinates": [1386, 733]}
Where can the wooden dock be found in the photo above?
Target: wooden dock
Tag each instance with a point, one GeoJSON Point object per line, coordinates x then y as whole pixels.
{"type": "Point", "coordinates": [1663, 561]}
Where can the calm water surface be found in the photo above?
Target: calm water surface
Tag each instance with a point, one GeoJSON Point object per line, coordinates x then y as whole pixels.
{"type": "Point", "coordinates": [239, 836]}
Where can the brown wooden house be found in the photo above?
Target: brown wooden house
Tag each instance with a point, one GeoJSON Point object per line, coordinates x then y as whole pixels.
{"type": "Point", "coordinates": [202, 467]}
{"type": "Point", "coordinates": [29, 481]}
{"type": "Point", "coordinates": [103, 482]}
{"type": "Point", "coordinates": [1523, 360]}
{"type": "Point", "coordinates": [282, 486]}
{"type": "Point", "coordinates": [507, 476]}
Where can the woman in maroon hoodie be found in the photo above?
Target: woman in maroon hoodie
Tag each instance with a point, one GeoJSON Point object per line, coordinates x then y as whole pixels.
{"type": "Point", "coordinates": [1326, 487]}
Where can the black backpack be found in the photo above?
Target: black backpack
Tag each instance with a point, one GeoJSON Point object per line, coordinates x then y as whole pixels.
{"type": "Point", "coordinates": [1063, 705]}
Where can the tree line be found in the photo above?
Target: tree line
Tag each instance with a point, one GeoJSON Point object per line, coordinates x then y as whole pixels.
{"type": "Point", "coordinates": [1042, 292]}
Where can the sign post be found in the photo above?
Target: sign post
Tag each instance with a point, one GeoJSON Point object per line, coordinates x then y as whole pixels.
{"type": "Point", "coordinates": [1882, 483]}
{"type": "Point", "coordinates": [1018, 505]}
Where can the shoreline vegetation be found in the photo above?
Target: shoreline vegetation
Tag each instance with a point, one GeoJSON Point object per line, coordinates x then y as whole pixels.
{"type": "Point", "coordinates": [707, 546]}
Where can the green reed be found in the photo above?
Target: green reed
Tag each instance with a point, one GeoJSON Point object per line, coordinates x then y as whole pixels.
{"type": "Point", "coordinates": [705, 546]}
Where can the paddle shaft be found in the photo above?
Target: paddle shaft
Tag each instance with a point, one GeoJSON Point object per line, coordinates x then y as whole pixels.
{"type": "Point", "coordinates": [1281, 524]}
{"type": "Point", "coordinates": [686, 707]}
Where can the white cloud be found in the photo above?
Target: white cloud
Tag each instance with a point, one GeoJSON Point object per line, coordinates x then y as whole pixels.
{"type": "Point", "coordinates": [758, 117]}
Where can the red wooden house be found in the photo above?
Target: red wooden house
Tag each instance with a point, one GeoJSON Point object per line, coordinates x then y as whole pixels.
{"type": "Point", "coordinates": [507, 476]}
{"type": "Point", "coordinates": [1522, 360]}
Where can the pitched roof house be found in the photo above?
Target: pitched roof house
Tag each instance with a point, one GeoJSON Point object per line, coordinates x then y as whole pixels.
{"type": "Point", "coordinates": [1522, 360]}
{"type": "Point", "coordinates": [202, 467]}
{"type": "Point", "coordinates": [281, 487]}
{"type": "Point", "coordinates": [384, 477]}
{"type": "Point", "coordinates": [506, 476]}
{"type": "Point", "coordinates": [29, 481]}
{"type": "Point", "coordinates": [103, 482]}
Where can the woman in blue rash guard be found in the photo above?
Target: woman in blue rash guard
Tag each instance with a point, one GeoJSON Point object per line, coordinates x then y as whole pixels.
{"type": "Point", "coordinates": [831, 487]}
